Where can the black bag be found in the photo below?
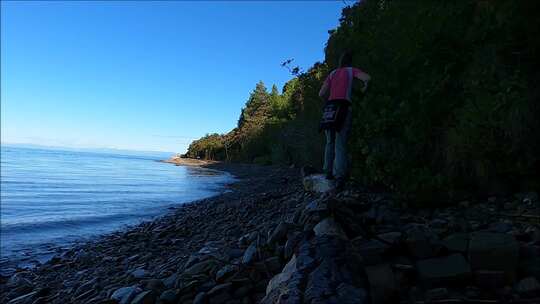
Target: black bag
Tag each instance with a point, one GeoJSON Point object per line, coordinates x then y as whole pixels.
{"type": "Point", "coordinates": [334, 114]}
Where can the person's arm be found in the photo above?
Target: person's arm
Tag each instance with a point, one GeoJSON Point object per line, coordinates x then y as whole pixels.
{"type": "Point", "coordinates": [359, 74]}
{"type": "Point", "coordinates": [325, 89]}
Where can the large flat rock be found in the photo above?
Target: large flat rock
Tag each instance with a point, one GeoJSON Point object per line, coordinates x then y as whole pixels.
{"type": "Point", "coordinates": [329, 227]}
{"type": "Point", "coordinates": [382, 282]}
{"type": "Point", "coordinates": [318, 183]}
{"type": "Point", "coordinates": [442, 270]}
{"type": "Point", "coordinates": [494, 251]}
{"type": "Point", "coordinates": [458, 242]}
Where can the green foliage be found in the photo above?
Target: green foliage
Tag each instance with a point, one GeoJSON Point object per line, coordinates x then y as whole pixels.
{"type": "Point", "coordinates": [211, 146]}
{"type": "Point", "coordinates": [453, 101]}
{"type": "Point", "coordinates": [449, 106]}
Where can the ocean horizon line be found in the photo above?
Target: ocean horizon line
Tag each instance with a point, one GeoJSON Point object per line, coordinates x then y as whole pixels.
{"type": "Point", "coordinates": [120, 151]}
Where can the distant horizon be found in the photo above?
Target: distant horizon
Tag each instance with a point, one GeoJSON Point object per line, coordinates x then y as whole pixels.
{"type": "Point", "coordinates": [83, 149]}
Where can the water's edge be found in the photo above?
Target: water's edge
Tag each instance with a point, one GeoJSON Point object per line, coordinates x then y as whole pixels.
{"type": "Point", "coordinates": [44, 252]}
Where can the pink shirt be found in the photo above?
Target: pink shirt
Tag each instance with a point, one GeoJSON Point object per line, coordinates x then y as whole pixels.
{"type": "Point", "coordinates": [340, 83]}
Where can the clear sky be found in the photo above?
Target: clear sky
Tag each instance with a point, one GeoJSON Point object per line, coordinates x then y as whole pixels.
{"type": "Point", "coordinates": [146, 75]}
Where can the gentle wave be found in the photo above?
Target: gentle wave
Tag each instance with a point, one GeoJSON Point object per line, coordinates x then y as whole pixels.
{"type": "Point", "coordinates": [56, 224]}
{"type": "Point", "coordinates": [54, 197]}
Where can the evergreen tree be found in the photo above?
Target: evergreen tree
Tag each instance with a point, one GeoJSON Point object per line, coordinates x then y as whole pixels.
{"type": "Point", "coordinates": [257, 107]}
{"type": "Point", "coordinates": [276, 103]}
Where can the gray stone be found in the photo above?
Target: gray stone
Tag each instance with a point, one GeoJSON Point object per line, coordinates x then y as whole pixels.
{"type": "Point", "coordinates": [494, 251]}
{"type": "Point", "coordinates": [393, 237]}
{"type": "Point", "coordinates": [24, 299]}
{"type": "Point", "coordinates": [291, 243]}
{"type": "Point", "coordinates": [329, 227]}
{"type": "Point", "coordinates": [18, 280]}
{"type": "Point", "coordinates": [385, 215]}
{"type": "Point", "coordinates": [534, 233]}
{"type": "Point", "coordinates": [193, 259]}
{"type": "Point", "coordinates": [325, 247]}
{"type": "Point", "coordinates": [220, 293]}
{"type": "Point", "coordinates": [318, 183]}
{"type": "Point", "coordinates": [260, 286]}
{"type": "Point", "coordinates": [234, 253]}
{"type": "Point", "coordinates": [317, 206]}
{"type": "Point", "coordinates": [279, 250]}
{"type": "Point", "coordinates": [348, 294]}
{"type": "Point", "coordinates": [84, 295]}
{"type": "Point", "coordinates": [273, 264]}
{"type": "Point", "coordinates": [530, 267]}
{"type": "Point", "coordinates": [282, 277]}
{"type": "Point", "coordinates": [225, 272]}
{"type": "Point", "coordinates": [249, 254]}
{"type": "Point", "coordinates": [420, 242]}
{"type": "Point", "coordinates": [472, 292]}
{"type": "Point", "coordinates": [372, 251]}
{"type": "Point", "coordinates": [170, 280]}
{"type": "Point", "coordinates": [489, 279]}
{"type": "Point", "coordinates": [207, 286]}
{"type": "Point", "coordinates": [458, 242]}
{"type": "Point", "coordinates": [200, 298]}
{"type": "Point", "coordinates": [17, 291]}
{"type": "Point", "coordinates": [453, 268]}
{"type": "Point", "coordinates": [124, 295]}
{"type": "Point", "coordinates": [304, 261]}
{"type": "Point", "coordinates": [501, 227]}
{"type": "Point", "coordinates": [211, 247]}
{"type": "Point", "coordinates": [85, 287]}
{"type": "Point", "coordinates": [528, 287]}
{"type": "Point", "coordinates": [438, 223]}
{"type": "Point", "coordinates": [139, 273]}
{"type": "Point", "coordinates": [319, 285]}
{"type": "Point", "coordinates": [203, 267]}
{"type": "Point", "coordinates": [155, 285]}
{"type": "Point", "coordinates": [190, 286]}
{"type": "Point", "coordinates": [169, 297]}
{"type": "Point", "coordinates": [279, 233]}
{"type": "Point", "coordinates": [242, 291]}
{"type": "Point", "coordinates": [7, 271]}
{"type": "Point", "coordinates": [382, 283]}
{"type": "Point", "coordinates": [528, 251]}
{"type": "Point", "coordinates": [145, 297]}
{"type": "Point", "coordinates": [252, 236]}
{"type": "Point", "coordinates": [528, 198]}
{"type": "Point", "coordinates": [403, 264]}
{"type": "Point", "coordinates": [436, 294]}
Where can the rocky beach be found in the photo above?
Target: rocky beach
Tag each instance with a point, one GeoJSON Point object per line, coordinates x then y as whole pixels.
{"type": "Point", "coordinates": [280, 237]}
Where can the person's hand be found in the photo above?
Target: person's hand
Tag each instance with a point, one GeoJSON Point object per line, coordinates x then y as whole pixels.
{"type": "Point", "coordinates": [364, 88]}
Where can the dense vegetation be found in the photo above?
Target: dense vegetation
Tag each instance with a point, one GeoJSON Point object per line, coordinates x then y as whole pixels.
{"type": "Point", "coordinates": [453, 103]}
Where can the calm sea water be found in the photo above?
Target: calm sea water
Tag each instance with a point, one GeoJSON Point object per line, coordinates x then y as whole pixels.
{"type": "Point", "coordinates": [53, 198]}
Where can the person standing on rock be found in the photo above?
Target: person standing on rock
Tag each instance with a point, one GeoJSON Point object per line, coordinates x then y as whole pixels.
{"type": "Point", "coordinates": [337, 115]}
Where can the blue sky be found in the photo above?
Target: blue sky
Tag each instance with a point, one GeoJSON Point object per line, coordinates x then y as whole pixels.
{"type": "Point", "coordinates": [146, 75]}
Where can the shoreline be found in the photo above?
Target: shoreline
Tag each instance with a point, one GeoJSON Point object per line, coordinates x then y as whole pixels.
{"type": "Point", "coordinates": [190, 162]}
{"type": "Point", "coordinates": [32, 256]}
{"type": "Point", "coordinates": [182, 230]}
{"type": "Point", "coordinates": [269, 240]}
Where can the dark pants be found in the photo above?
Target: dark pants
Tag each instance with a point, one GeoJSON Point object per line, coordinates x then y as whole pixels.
{"type": "Point", "coordinates": [335, 152]}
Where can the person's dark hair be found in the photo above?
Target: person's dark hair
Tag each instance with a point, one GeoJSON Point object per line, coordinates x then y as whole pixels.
{"type": "Point", "coordinates": [345, 60]}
